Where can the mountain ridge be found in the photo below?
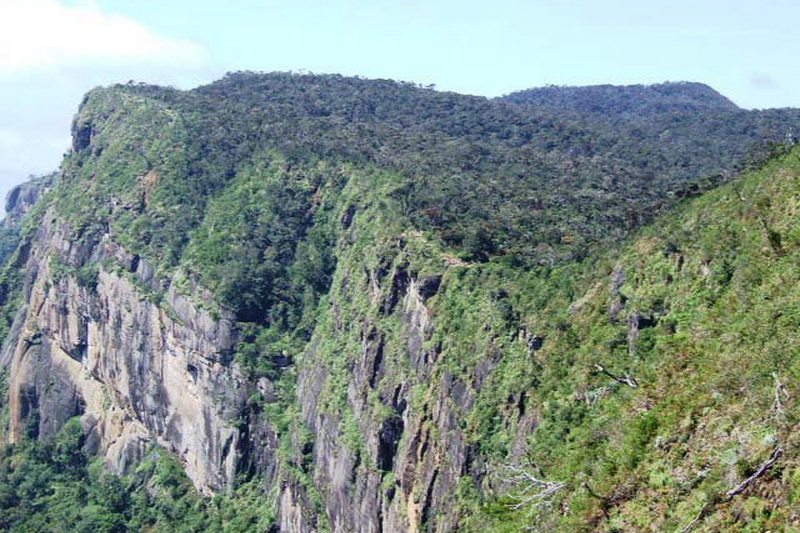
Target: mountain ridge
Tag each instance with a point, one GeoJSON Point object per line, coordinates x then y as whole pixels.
{"type": "Point", "coordinates": [634, 99]}
{"type": "Point", "coordinates": [261, 285]}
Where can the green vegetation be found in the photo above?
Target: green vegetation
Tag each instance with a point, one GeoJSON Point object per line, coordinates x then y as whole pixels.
{"type": "Point", "coordinates": [265, 245]}
{"type": "Point", "coordinates": [640, 382]}
{"type": "Point", "coordinates": [486, 177]}
{"type": "Point", "coordinates": [714, 360]}
{"type": "Point", "coordinates": [676, 116]}
{"type": "Point", "coordinates": [59, 487]}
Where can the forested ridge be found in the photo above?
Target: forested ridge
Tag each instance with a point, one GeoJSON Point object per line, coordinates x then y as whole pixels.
{"type": "Point", "coordinates": [566, 308]}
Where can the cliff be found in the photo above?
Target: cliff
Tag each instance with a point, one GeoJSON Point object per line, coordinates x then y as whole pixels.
{"type": "Point", "coordinates": [23, 197]}
{"type": "Point", "coordinates": [352, 305]}
{"type": "Point", "coordinates": [93, 343]}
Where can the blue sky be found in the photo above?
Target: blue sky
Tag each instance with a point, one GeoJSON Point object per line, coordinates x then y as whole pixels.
{"type": "Point", "coordinates": [52, 51]}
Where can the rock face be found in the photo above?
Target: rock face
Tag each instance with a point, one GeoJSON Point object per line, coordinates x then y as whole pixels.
{"type": "Point", "coordinates": [391, 454]}
{"type": "Point", "coordinates": [399, 443]}
{"type": "Point", "coordinates": [19, 201]}
{"type": "Point", "coordinates": [140, 372]}
{"type": "Point", "coordinates": [23, 197]}
{"type": "Point", "coordinates": [93, 341]}
{"type": "Point", "coordinates": [137, 373]}
{"type": "Point", "coordinates": [378, 443]}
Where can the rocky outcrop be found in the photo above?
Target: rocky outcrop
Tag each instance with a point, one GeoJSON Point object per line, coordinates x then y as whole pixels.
{"type": "Point", "coordinates": [137, 370]}
{"type": "Point", "coordinates": [401, 471]}
{"type": "Point", "coordinates": [19, 201]}
{"type": "Point", "coordinates": [137, 356]}
{"type": "Point", "coordinates": [23, 197]}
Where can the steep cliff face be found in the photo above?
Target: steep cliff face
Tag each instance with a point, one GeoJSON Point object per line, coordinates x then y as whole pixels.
{"type": "Point", "coordinates": [388, 445]}
{"type": "Point", "coordinates": [21, 199]}
{"type": "Point", "coordinates": [95, 344]}
{"type": "Point", "coordinates": [401, 385]}
{"type": "Point", "coordinates": [277, 295]}
{"type": "Point", "coordinates": [145, 360]}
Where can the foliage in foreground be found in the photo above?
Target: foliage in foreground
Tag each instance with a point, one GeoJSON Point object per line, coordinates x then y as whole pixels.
{"type": "Point", "coordinates": [60, 487]}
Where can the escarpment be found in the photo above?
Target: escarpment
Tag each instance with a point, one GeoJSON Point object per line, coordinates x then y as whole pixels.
{"type": "Point", "coordinates": [92, 342]}
{"type": "Point", "coordinates": [379, 446]}
{"type": "Point", "coordinates": [348, 305]}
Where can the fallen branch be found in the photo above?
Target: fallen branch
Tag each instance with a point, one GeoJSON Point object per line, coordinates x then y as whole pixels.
{"type": "Point", "coordinates": [738, 489]}
{"type": "Point", "coordinates": [625, 379]}
{"type": "Point", "coordinates": [766, 465]}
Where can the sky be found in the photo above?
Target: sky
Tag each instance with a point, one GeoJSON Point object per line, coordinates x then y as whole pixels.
{"type": "Point", "coordinates": [53, 51]}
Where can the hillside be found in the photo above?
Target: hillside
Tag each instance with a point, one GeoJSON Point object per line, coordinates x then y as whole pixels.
{"type": "Point", "coordinates": [315, 303]}
{"type": "Point", "coordinates": [666, 395]}
{"type": "Point", "coordinates": [693, 120]}
{"type": "Point", "coordinates": [630, 100]}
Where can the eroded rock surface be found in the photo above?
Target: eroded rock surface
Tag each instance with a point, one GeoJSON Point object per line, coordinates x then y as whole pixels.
{"type": "Point", "coordinates": [137, 372]}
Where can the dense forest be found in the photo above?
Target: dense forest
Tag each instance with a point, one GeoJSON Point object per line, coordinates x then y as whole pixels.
{"type": "Point", "coordinates": [343, 304]}
{"type": "Point", "coordinates": [489, 179]}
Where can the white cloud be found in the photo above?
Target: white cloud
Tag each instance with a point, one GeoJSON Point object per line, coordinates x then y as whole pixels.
{"type": "Point", "coordinates": [44, 33]}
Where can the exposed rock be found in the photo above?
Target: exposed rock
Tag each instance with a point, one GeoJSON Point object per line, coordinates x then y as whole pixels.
{"type": "Point", "coordinates": [425, 470]}
{"type": "Point", "coordinates": [616, 298]}
{"type": "Point", "coordinates": [138, 373]}
{"type": "Point", "coordinates": [23, 197]}
{"type": "Point", "coordinates": [82, 133]}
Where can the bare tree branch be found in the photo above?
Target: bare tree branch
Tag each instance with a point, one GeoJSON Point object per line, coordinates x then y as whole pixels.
{"type": "Point", "coordinates": [625, 379]}
{"type": "Point", "coordinates": [533, 490]}
{"type": "Point", "coordinates": [780, 394]}
{"type": "Point", "coordinates": [690, 526]}
{"type": "Point", "coordinates": [738, 489]}
{"type": "Point", "coordinates": [595, 395]}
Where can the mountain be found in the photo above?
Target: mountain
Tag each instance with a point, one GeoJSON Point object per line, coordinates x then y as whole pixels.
{"type": "Point", "coordinates": [688, 123]}
{"type": "Point", "coordinates": [630, 100]}
{"type": "Point", "coordinates": [315, 303]}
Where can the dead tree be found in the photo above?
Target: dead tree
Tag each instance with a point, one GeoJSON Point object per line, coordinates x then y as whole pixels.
{"type": "Point", "coordinates": [533, 491]}
{"type": "Point", "coordinates": [625, 379]}
{"type": "Point", "coordinates": [781, 395]}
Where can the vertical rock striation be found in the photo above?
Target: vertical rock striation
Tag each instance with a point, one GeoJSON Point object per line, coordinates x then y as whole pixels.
{"type": "Point", "coordinates": [137, 372]}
